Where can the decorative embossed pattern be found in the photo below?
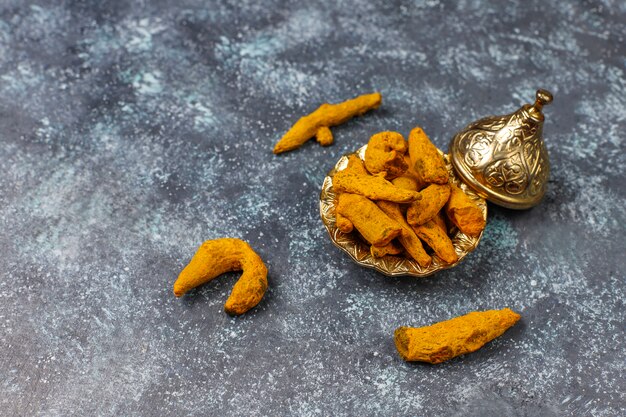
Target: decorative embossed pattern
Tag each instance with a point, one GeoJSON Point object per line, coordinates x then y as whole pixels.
{"type": "Point", "coordinates": [506, 154]}
{"type": "Point", "coordinates": [391, 265]}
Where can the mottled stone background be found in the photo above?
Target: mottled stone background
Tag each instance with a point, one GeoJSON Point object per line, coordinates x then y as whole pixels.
{"type": "Point", "coordinates": [132, 131]}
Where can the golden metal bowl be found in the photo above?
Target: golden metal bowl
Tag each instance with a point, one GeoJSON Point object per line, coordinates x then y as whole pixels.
{"type": "Point", "coordinates": [392, 265]}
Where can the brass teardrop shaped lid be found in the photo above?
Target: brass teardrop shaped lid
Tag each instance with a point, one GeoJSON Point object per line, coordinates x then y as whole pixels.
{"type": "Point", "coordinates": [504, 158]}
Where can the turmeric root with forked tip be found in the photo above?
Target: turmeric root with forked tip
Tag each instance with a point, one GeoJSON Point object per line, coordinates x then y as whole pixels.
{"type": "Point", "coordinates": [427, 164]}
{"type": "Point", "coordinates": [373, 187]}
{"type": "Point", "coordinates": [327, 115]}
{"type": "Point", "coordinates": [385, 154]}
{"type": "Point", "coordinates": [445, 340]}
{"type": "Point", "coordinates": [373, 224]}
{"type": "Point", "coordinates": [216, 257]}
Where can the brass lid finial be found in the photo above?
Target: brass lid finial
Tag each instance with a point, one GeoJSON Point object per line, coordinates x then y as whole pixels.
{"type": "Point", "coordinates": [543, 97]}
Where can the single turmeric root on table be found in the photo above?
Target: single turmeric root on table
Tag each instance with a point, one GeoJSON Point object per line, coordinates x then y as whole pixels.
{"type": "Point", "coordinates": [373, 224]}
{"type": "Point", "coordinates": [216, 257]}
{"type": "Point", "coordinates": [327, 115]}
{"type": "Point", "coordinates": [445, 340]}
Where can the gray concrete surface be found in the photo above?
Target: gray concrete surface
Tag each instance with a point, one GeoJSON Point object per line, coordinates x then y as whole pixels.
{"type": "Point", "coordinates": [132, 131]}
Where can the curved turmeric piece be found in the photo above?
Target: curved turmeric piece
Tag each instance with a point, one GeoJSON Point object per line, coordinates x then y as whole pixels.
{"type": "Point", "coordinates": [438, 240]}
{"type": "Point", "coordinates": [445, 340]}
{"type": "Point", "coordinates": [373, 187]}
{"type": "Point", "coordinates": [327, 115]}
{"type": "Point", "coordinates": [385, 154]}
{"type": "Point", "coordinates": [434, 197]}
{"type": "Point", "coordinates": [462, 211]}
{"type": "Point", "coordinates": [216, 257]}
{"type": "Point", "coordinates": [373, 224]}
{"type": "Point", "coordinates": [427, 163]}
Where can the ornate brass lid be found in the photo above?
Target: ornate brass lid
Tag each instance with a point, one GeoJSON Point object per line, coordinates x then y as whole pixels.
{"type": "Point", "coordinates": [504, 158]}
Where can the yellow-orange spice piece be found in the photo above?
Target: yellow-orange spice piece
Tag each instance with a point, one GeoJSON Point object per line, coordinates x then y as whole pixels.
{"type": "Point", "coordinates": [445, 340]}
{"type": "Point", "coordinates": [464, 213]}
{"type": "Point", "coordinates": [410, 172]}
{"type": "Point", "coordinates": [342, 222]}
{"type": "Point", "coordinates": [408, 239]}
{"type": "Point", "coordinates": [371, 222]}
{"type": "Point", "coordinates": [440, 221]}
{"type": "Point", "coordinates": [385, 154]}
{"type": "Point", "coordinates": [372, 187]}
{"type": "Point", "coordinates": [438, 240]}
{"type": "Point", "coordinates": [216, 257]}
{"type": "Point", "coordinates": [428, 165]}
{"type": "Point", "coordinates": [390, 248]}
{"type": "Point", "coordinates": [434, 197]}
{"type": "Point", "coordinates": [325, 116]}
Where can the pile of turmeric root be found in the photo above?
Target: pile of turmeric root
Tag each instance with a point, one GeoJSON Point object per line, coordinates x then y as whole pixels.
{"type": "Point", "coordinates": [400, 197]}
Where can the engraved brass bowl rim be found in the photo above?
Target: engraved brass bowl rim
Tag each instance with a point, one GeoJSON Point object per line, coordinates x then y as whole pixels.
{"type": "Point", "coordinates": [392, 265]}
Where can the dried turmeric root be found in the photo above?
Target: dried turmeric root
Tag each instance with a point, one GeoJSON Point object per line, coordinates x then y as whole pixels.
{"type": "Point", "coordinates": [215, 257]}
{"type": "Point", "coordinates": [438, 240]}
{"type": "Point", "coordinates": [374, 225]}
{"type": "Point", "coordinates": [385, 155]}
{"type": "Point", "coordinates": [434, 197]}
{"type": "Point", "coordinates": [406, 182]}
{"type": "Point", "coordinates": [410, 172]}
{"type": "Point", "coordinates": [445, 340]}
{"type": "Point", "coordinates": [440, 221]}
{"type": "Point", "coordinates": [462, 211]}
{"type": "Point", "coordinates": [428, 165]}
{"type": "Point", "coordinates": [343, 223]}
{"type": "Point", "coordinates": [327, 115]}
{"type": "Point", "coordinates": [407, 237]}
{"type": "Point", "coordinates": [390, 248]}
{"type": "Point", "coordinates": [355, 166]}
{"type": "Point", "coordinates": [373, 187]}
